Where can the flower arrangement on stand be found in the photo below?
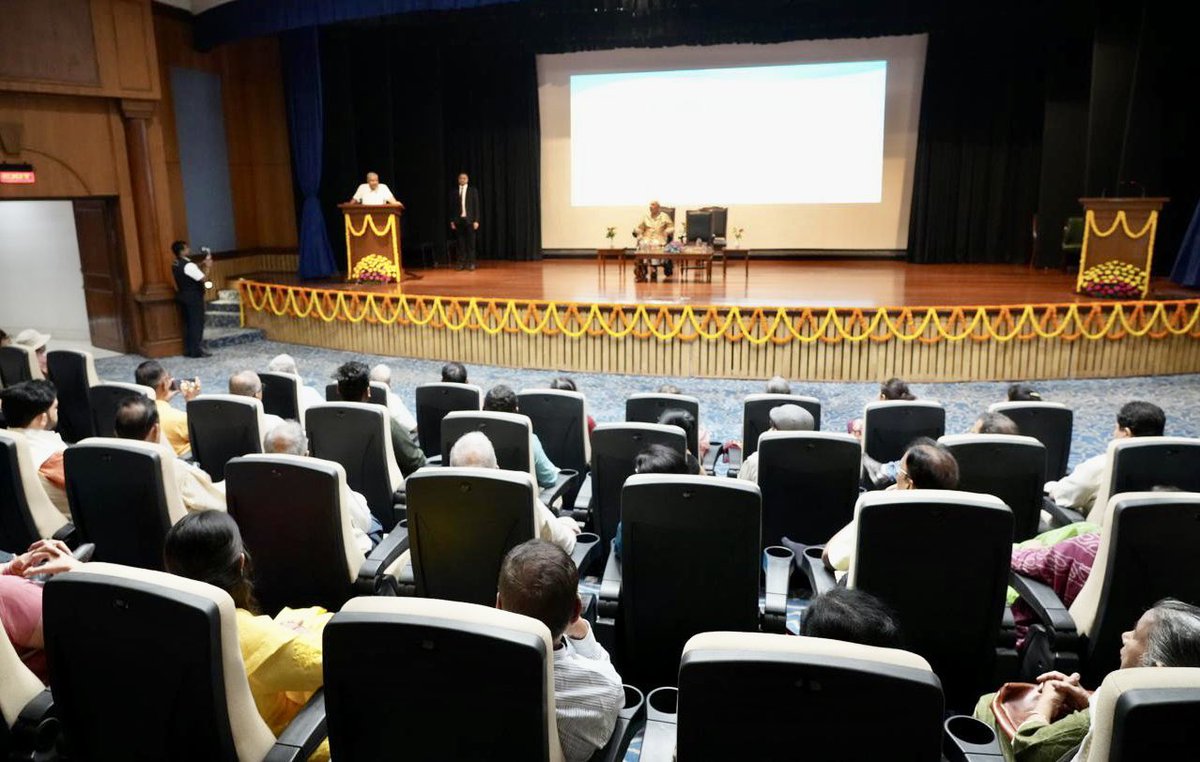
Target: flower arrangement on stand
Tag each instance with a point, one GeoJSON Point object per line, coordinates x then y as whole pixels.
{"type": "Point", "coordinates": [1114, 280]}
{"type": "Point", "coordinates": [737, 236]}
{"type": "Point", "coordinates": [611, 234]}
{"type": "Point", "coordinates": [375, 268]}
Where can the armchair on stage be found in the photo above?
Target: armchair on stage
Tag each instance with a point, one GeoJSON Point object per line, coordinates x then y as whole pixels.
{"type": "Point", "coordinates": [1118, 246]}
{"type": "Point", "coordinates": [373, 243]}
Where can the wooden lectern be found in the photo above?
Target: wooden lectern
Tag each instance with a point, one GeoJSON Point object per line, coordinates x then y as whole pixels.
{"type": "Point", "coordinates": [1119, 230]}
{"type": "Point", "coordinates": [373, 230]}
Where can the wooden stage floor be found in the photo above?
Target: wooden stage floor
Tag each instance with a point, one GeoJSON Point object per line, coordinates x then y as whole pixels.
{"type": "Point", "coordinates": [771, 283]}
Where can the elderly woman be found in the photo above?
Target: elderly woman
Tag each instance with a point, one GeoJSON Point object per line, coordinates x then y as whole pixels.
{"type": "Point", "coordinates": [1167, 635]}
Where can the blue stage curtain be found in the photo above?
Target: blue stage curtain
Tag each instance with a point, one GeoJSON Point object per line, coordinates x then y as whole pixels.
{"type": "Point", "coordinates": [1187, 265]}
{"type": "Point", "coordinates": [302, 73]}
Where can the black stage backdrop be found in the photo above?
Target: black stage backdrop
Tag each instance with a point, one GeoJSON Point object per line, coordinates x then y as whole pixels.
{"type": "Point", "coordinates": [417, 110]}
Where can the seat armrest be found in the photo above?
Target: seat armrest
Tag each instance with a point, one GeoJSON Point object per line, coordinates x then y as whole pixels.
{"type": "Point", "coordinates": [710, 458]}
{"type": "Point", "coordinates": [36, 732]}
{"type": "Point", "coordinates": [1060, 516]}
{"type": "Point", "coordinates": [777, 569]}
{"type": "Point", "coordinates": [372, 576]}
{"type": "Point", "coordinates": [658, 743]}
{"type": "Point", "coordinates": [303, 734]}
{"type": "Point", "coordinates": [820, 579]}
{"type": "Point", "coordinates": [562, 483]}
{"type": "Point", "coordinates": [433, 460]}
{"type": "Point", "coordinates": [610, 587]}
{"type": "Point", "coordinates": [67, 533]}
{"type": "Point", "coordinates": [587, 551]}
{"type": "Point", "coordinates": [1046, 605]}
{"type": "Point", "coordinates": [630, 720]}
{"type": "Point", "coordinates": [966, 739]}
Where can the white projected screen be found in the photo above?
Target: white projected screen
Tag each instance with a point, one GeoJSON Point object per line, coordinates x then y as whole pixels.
{"type": "Point", "coordinates": [792, 134]}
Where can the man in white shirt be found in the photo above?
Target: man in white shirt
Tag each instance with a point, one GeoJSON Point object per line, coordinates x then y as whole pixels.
{"type": "Point", "coordinates": [191, 282]}
{"type": "Point", "coordinates": [309, 396]}
{"type": "Point", "coordinates": [396, 408]}
{"type": "Point", "coordinates": [31, 410]}
{"type": "Point", "coordinates": [540, 581]}
{"type": "Point", "coordinates": [246, 383]}
{"type": "Point", "coordinates": [374, 193]}
{"type": "Point", "coordinates": [464, 221]}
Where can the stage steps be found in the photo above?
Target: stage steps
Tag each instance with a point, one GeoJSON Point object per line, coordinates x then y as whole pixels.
{"type": "Point", "coordinates": [223, 324]}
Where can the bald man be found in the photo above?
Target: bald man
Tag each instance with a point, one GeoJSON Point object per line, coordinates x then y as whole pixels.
{"type": "Point", "coordinates": [246, 383]}
{"type": "Point", "coordinates": [374, 193]}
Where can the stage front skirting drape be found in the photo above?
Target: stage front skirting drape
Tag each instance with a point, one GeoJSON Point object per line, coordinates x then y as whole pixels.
{"type": "Point", "coordinates": [417, 108]}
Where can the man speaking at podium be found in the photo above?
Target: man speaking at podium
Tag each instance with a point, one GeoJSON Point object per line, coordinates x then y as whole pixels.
{"type": "Point", "coordinates": [464, 220]}
{"type": "Point", "coordinates": [374, 193]}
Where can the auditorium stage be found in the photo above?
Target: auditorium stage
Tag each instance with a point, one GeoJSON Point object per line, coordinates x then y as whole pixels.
{"type": "Point", "coordinates": [822, 319]}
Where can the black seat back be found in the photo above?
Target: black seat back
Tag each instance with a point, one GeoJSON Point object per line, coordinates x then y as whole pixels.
{"type": "Point", "coordinates": [646, 408]}
{"type": "Point", "coordinates": [756, 411]}
{"type": "Point", "coordinates": [73, 374]}
{"type": "Point", "coordinates": [281, 395]}
{"type": "Point", "coordinates": [377, 394]}
{"type": "Point", "coordinates": [559, 419]}
{"type": "Point", "coordinates": [509, 434]}
{"type": "Point", "coordinates": [614, 446]}
{"type": "Point", "coordinates": [890, 426]}
{"type": "Point", "coordinates": [1013, 468]}
{"type": "Point", "coordinates": [1142, 463]}
{"type": "Point", "coordinates": [1051, 423]}
{"type": "Point", "coordinates": [105, 398]}
{"type": "Point", "coordinates": [357, 436]}
{"type": "Point", "coordinates": [15, 365]}
{"type": "Point", "coordinates": [222, 427]}
{"type": "Point", "coordinates": [433, 402]}
{"type": "Point", "coordinates": [17, 528]}
{"type": "Point", "coordinates": [1153, 715]}
{"type": "Point", "coordinates": [809, 483]}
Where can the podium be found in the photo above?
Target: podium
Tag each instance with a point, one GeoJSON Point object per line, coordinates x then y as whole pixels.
{"type": "Point", "coordinates": [1118, 245]}
{"type": "Point", "coordinates": [373, 251]}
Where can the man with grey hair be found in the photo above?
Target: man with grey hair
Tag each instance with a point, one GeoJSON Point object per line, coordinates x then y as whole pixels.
{"type": "Point", "coordinates": [475, 450]}
{"type": "Point", "coordinates": [783, 418]}
{"type": "Point", "coordinates": [246, 383]}
{"type": "Point", "coordinates": [778, 385]}
{"type": "Point", "coordinates": [382, 373]}
{"type": "Point", "coordinates": [374, 193]}
{"type": "Point", "coordinates": [309, 396]}
{"type": "Point", "coordinates": [288, 438]}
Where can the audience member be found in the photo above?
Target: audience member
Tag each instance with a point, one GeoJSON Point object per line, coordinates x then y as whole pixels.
{"type": "Point", "coordinates": [31, 410]}
{"type": "Point", "coordinates": [895, 389]}
{"type": "Point", "coordinates": [502, 399]}
{"type": "Point", "coordinates": [852, 616]}
{"type": "Point", "coordinates": [783, 418]}
{"type": "Point", "coordinates": [1167, 635]}
{"type": "Point", "coordinates": [33, 340]}
{"type": "Point", "coordinates": [246, 383]}
{"type": "Point", "coordinates": [655, 459]}
{"type": "Point", "coordinates": [288, 439]}
{"type": "Point", "coordinates": [684, 420]}
{"type": "Point", "coordinates": [454, 373]}
{"type": "Point", "coordinates": [994, 423]}
{"type": "Point", "coordinates": [1022, 392]}
{"type": "Point", "coordinates": [283, 654]}
{"type": "Point", "coordinates": [354, 385]}
{"type": "Point", "coordinates": [1078, 489]}
{"type": "Point", "coordinates": [540, 581]}
{"type": "Point", "coordinates": [566, 384]}
{"type": "Point", "coordinates": [926, 465]}
{"type": "Point", "coordinates": [21, 598]}
{"type": "Point", "coordinates": [396, 407]}
{"type": "Point", "coordinates": [778, 385]}
{"type": "Point", "coordinates": [475, 450]}
{"type": "Point", "coordinates": [137, 419]}
{"type": "Point", "coordinates": [882, 475]}
{"type": "Point", "coordinates": [854, 427]}
{"type": "Point", "coordinates": [287, 364]}
{"type": "Point", "coordinates": [174, 422]}
{"type": "Point", "coordinates": [5, 339]}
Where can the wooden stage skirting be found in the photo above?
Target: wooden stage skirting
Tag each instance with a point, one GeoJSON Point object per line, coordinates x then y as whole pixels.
{"type": "Point", "coordinates": [822, 320]}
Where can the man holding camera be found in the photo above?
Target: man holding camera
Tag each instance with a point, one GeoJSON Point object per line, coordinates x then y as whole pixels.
{"type": "Point", "coordinates": [191, 280]}
{"type": "Point", "coordinates": [172, 421]}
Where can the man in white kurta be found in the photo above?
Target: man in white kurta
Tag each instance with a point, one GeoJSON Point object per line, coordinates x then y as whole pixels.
{"type": "Point", "coordinates": [374, 193]}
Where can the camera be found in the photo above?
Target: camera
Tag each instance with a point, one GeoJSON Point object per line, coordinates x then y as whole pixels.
{"type": "Point", "coordinates": [177, 384]}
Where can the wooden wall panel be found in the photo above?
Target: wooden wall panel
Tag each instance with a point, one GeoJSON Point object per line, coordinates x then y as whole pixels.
{"type": "Point", "coordinates": [32, 28]}
{"type": "Point", "coordinates": [135, 45]}
{"type": "Point", "coordinates": [70, 141]}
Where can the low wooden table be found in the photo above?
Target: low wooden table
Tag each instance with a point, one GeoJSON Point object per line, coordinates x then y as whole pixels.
{"type": "Point", "coordinates": [602, 254]}
{"type": "Point", "coordinates": [745, 255]}
{"type": "Point", "coordinates": [676, 258]}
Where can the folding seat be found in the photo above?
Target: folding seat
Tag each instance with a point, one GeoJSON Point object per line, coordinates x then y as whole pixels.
{"type": "Point", "coordinates": [890, 426]}
{"type": "Point", "coordinates": [690, 562]}
{"type": "Point", "coordinates": [433, 402]}
{"type": "Point", "coordinates": [281, 395]}
{"type": "Point", "coordinates": [759, 696]}
{"type": "Point", "coordinates": [1013, 468]}
{"type": "Point", "coordinates": [490, 669]}
{"type": "Point", "coordinates": [940, 559]}
{"type": "Point", "coordinates": [28, 729]}
{"type": "Point", "coordinates": [647, 408]}
{"type": "Point", "coordinates": [290, 511]}
{"type": "Point", "coordinates": [809, 483]}
{"type": "Point", "coordinates": [559, 420]}
{"type": "Point", "coordinates": [222, 427]}
{"type": "Point", "coordinates": [511, 435]}
{"type": "Point", "coordinates": [105, 397]}
{"type": "Point", "coordinates": [1145, 713]}
{"type": "Point", "coordinates": [461, 524]}
{"type": "Point", "coordinates": [614, 446]}
{"type": "Point", "coordinates": [74, 373]}
{"type": "Point", "coordinates": [358, 436]}
{"type": "Point", "coordinates": [167, 646]}
{"type": "Point", "coordinates": [377, 394]}
{"type": "Point", "coordinates": [26, 513]}
{"type": "Point", "coordinates": [18, 364]}
{"type": "Point", "coordinates": [123, 497]}
{"type": "Point", "coordinates": [1147, 552]}
{"type": "Point", "coordinates": [756, 410]}
{"type": "Point", "coordinates": [1051, 423]}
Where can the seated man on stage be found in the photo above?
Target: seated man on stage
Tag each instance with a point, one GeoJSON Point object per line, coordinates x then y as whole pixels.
{"type": "Point", "coordinates": [374, 193]}
{"type": "Point", "coordinates": [654, 230]}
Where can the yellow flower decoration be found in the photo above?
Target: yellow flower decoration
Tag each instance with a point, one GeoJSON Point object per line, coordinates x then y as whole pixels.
{"type": "Point", "coordinates": [375, 268]}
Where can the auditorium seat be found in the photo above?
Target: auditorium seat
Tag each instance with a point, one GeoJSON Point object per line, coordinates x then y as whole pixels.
{"type": "Point", "coordinates": [614, 446]}
{"type": "Point", "coordinates": [690, 563]}
{"type": "Point", "coordinates": [482, 678]}
{"type": "Point", "coordinates": [26, 513]}
{"type": "Point", "coordinates": [281, 395]}
{"type": "Point", "coordinates": [357, 435]}
{"type": "Point", "coordinates": [1013, 468]}
{"type": "Point", "coordinates": [1146, 713]}
{"type": "Point", "coordinates": [147, 665]}
{"type": "Point", "coordinates": [222, 427]}
{"type": "Point", "coordinates": [511, 435]}
{"type": "Point", "coordinates": [433, 402]}
{"type": "Point", "coordinates": [1147, 552]}
{"type": "Point", "coordinates": [559, 420]}
{"type": "Point", "coordinates": [940, 559]}
{"type": "Point", "coordinates": [105, 397]}
{"type": "Point", "coordinates": [74, 374]}
{"type": "Point", "coordinates": [809, 483]}
{"type": "Point", "coordinates": [18, 364]}
{"type": "Point", "coordinates": [28, 729]}
{"type": "Point", "coordinates": [290, 511]}
{"type": "Point", "coordinates": [647, 408]}
{"type": "Point", "coordinates": [760, 696]}
{"type": "Point", "coordinates": [124, 498]}
{"type": "Point", "coordinates": [1139, 464]}
{"type": "Point", "coordinates": [462, 522]}
{"type": "Point", "coordinates": [377, 393]}
{"type": "Point", "coordinates": [757, 407]}
{"type": "Point", "coordinates": [890, 426]}
{"type": "Point", "coordinates": [1051, 423]}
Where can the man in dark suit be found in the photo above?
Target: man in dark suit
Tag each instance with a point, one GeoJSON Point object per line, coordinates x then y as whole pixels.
{"type": "Point", "coordinates": [464, 221]}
